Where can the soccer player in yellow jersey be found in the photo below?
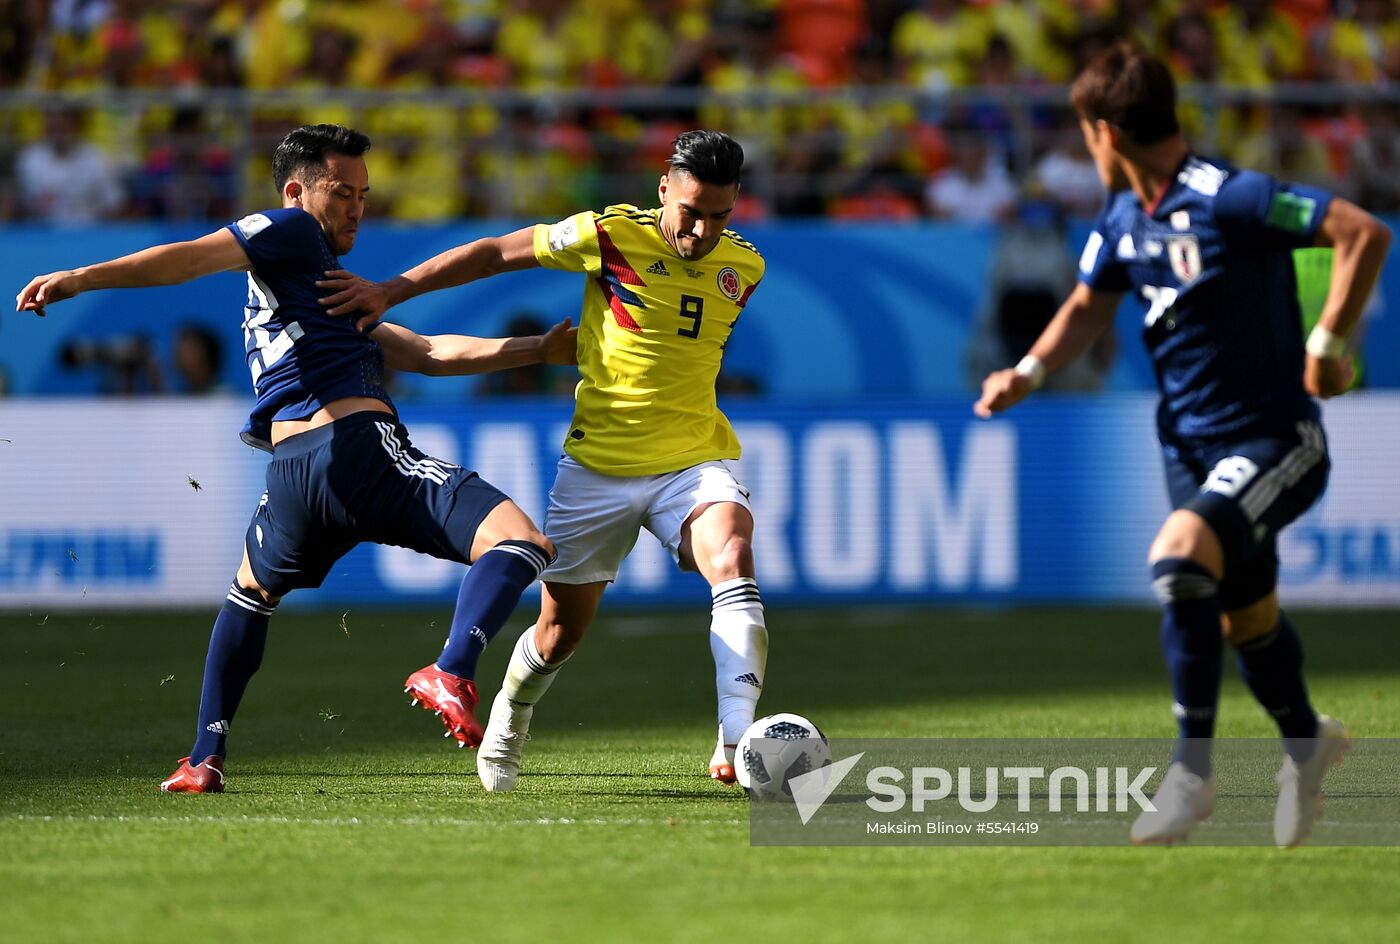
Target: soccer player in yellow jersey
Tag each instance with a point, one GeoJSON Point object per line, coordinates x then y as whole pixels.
{"type": "Point", "coordinates": [648, 446]}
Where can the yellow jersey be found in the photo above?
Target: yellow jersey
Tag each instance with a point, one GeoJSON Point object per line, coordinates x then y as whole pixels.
{"type": "Point", "coordinates": [651, 335]}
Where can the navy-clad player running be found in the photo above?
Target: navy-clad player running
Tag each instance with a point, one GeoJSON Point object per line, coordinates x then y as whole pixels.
{"type": "Point", "coordinates": [343, 469]}
{"type": "Point", "coordinates": [1206, 247]}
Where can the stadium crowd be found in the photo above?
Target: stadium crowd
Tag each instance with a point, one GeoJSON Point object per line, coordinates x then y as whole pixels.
{"type": "Point", "coordinates": [888, 109]}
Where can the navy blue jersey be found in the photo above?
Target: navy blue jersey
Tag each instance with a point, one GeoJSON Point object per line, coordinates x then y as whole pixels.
{"type": "Point", "coordinates": [300, 357]}
{"type": "Point", "coordinates": [1212, 265]}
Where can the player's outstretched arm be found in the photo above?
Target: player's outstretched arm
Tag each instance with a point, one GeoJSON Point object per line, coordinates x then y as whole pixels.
{"type": "Point", "coordinates": [168, 264]}
{"type": "Point", "coordinates": [443, 355]}
{"type": "Point", "coordinates": [1081, 320]}
{"type": "Point", "coordinates": [1360, 243]}
{"type": "Point", "coordinates": [478, 259]}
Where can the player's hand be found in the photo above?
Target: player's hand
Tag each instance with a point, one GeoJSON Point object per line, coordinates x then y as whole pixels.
{"type": "Point", "coordinates": [559, 345]}
{"type": "Point", "coordinates": [351, 294]}
{"type": "Point", "coordinates": [1001, 391]}
{"type": "Point", "coordinates": [44, 290]}
{"type": "Point", "coordinates": [1328, 376]}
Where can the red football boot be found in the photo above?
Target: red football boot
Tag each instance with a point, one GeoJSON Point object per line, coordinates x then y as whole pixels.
{"type": "Point", "coordinates": [206, 777]}
{"type": "Point", "coordinates": [722, 761]}
{"type": "Point", "coordinates": [450, 697]}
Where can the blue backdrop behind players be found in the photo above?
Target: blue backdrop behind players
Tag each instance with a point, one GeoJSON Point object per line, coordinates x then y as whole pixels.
{"type": "Point", "coordinates": [845, 310]}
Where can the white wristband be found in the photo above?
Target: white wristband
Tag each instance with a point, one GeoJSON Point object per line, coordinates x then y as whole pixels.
{"type": "Point", "coordinates": [1325, 344]}
{"type": "Point", "coordinates": [1032, 367]}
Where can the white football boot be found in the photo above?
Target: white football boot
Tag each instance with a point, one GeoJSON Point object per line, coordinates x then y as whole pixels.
{"type": "Point", "coordinates": [498, 757]}
{"type": "Point", "coordinates": [1300, 785]}
{"type": "Point", "coordinates": [1182, 801]}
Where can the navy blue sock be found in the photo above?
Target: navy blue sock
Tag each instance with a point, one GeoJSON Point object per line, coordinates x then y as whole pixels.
{"type": "Point", "coordinates": [235, 652]}
{"type": "Point", "coordinates": [1192, 644]}
{"type": "Point", "coordinates": [1272, 667]}
{"type": "Point", "coordinates": [489, 594]}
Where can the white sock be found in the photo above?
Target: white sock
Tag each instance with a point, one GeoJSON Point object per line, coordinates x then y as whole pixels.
{"type": "Point", "coordinates": [528, 676]}
{"type": "Point", "coordinates": [739, 644]}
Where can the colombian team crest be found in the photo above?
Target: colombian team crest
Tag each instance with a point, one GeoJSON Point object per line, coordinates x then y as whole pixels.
{"type": "Point", "coordinates": [1185, 255]}
{"type": "Point", "coordinates": [729, 283]}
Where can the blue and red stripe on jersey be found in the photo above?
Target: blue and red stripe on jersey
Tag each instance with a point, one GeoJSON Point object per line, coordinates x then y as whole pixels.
{"type": "Point", "coordinates": [617, 274]}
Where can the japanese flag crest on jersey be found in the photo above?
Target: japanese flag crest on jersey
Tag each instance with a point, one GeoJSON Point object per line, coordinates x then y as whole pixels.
{"type": "Point", "coordinates": [1184, 252]}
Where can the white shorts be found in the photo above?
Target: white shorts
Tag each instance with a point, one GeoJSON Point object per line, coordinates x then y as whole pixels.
{"type": "Point", "coordinates": [594, 520]}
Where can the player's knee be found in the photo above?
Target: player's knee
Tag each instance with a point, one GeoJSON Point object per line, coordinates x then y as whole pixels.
{"type": "Point", "coordinates": [546, 545]}
{"type": "Point", "coordinates": [1187, 536]}
{"type": "Point", "coordinates": [1178, 579]}
{"type": "Point", "coordinates": [1251, 622]}
{"type": "Point", "coordinates": [246, 582]}
{"type": "Point", "coordinates": [542, 543]}
{"type": "Point", "coordinates": [542, 548]}
{"type": "Point", "coordinates": [555, 640]}
{"type": "Point", "coordinates": [733, 558]}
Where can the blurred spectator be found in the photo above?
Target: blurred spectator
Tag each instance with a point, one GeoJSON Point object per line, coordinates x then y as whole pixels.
{"type": "Point", "coordinates": [1036, 32]}
{"type": "Point", "coordinates": [415, 178]}
{"type": "Point", "coordinates": [327, 71]}
{"type": "Point", "coordinates": [881, 145]}
{"type": "Point", "coordinates": [1191, 49]}
{"type": "Point", "coordinates": [757, 90]}
{"type": "Point", "coordinates": [532, 380]}
{"type": "Point", "coordinates": [1364, 47]}
{"type": "Point", "coordinates": [790, 78]}
{"type": "Point", "coordinates": [1033, 270]}
{"type": "Point", "coordinates": [935, 44]}
{"type": "Point", "coordinates": [185, 177]}
{"type": "Point", "coordinates": [63, 179]}
{"type": "Point", "coordinates": [19, 33]}
{"type": "Point", "coordinates": [534, 166]}
{"type": "Point", "coordinates": [1066, 174]}
{"type": "Point", "coordinates": [551, 43]}
{"type": "Point", "coordinates": [993, 113]}
{"type": "Point", "coordinates": [1376, 160]}
{"type": "Point", "coordinates": [1138, 20]}
{"type": "Point", "coordinates": [219, 67]}
{"type": "Point", "coordinates": [823, 36]}
{"type": "Point", "coordinates": [126, 365]}
{"type": "Point", "coordinates": [661, 42]}
{"type": "Point", "coordinates": [198, 356]}
{"type": "Point", "coordinates": [271, 38]}
{"type": "Point", "coordinates": [1258, 44]}
{"type": "Point", "coordinates": [1276, 142]}
{"type": "Point", "coordinates": [976, 188]}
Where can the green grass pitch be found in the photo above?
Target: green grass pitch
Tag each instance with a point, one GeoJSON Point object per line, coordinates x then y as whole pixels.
{"type": "Point", "coordinates": [349, 819]}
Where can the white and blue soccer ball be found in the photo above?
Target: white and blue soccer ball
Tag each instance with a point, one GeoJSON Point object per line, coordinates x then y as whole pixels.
{"type": "Point", "coordinates": [774, 750]}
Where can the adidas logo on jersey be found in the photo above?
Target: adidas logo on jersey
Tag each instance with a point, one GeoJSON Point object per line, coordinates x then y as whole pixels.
{"type": "Point", "coordinates": [748, 678]}
{"type": "Point", "coordinates": [658, 268]}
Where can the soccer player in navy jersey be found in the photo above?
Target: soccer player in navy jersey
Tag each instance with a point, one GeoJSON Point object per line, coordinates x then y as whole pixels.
{"type": "Point", "coordinates": [1207, 250]}
{"type": "Point", "coordinates": [343, 469]}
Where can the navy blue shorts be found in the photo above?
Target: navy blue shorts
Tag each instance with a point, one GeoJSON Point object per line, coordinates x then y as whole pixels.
{"type": "Point", "coordinates": [359, 479]}
{"type": "Point", "coordinates": [1248, 492]}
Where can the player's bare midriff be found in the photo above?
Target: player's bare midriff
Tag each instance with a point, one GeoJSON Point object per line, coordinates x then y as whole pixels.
{"type": "Point", "coordinates": [329, 413]}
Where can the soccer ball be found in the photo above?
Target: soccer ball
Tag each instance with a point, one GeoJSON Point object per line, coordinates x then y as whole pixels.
{"type": "Point", "coordinates": [775, 749]}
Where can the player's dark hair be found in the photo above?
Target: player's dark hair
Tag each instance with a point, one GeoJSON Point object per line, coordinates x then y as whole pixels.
{"type": "Point", "coordinates": [711, 157]}
{"type": "Point", "coordinates": [1130, 89]}
{"type": "Point", "coordinates": [304, 151]}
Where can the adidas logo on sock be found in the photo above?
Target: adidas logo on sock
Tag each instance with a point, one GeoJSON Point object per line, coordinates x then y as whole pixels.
{"type": "Point", "coordinates": [218, 727]}
{"type": "Point", "coordinates": [658, 268]}
{"type": "Point", "coordinates": [748, 678]}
